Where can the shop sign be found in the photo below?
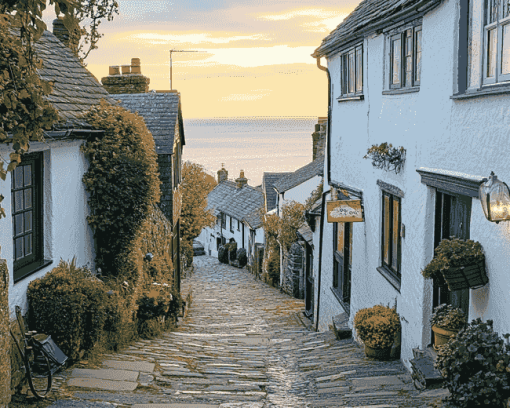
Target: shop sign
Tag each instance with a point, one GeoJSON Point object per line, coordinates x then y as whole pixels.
{"type": "Point", "coordinates": [344, 211]}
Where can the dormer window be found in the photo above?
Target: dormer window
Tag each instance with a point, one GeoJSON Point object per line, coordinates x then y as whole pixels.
{"type": "Point", "coordinates": [352, 72]}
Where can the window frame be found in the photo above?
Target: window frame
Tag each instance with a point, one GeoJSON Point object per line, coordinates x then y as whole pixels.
{"type": "Point", "coordinates": [394, 270]}
{"type": "Point", "coordinates": [350, 77]}
{"type": "Point", "coordinates": [223, 221]}
{"type": "Point", "coordinates": [342, 279]}
{"type": "Point", "coordinates": [497, 25]}
{"type": "Point", "coordinates": [401, 34]}
{"type": "Point", "coordinates": [29, 264]}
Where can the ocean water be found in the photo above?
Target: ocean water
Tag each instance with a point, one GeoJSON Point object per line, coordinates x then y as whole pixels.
{"type": "Point", "coordinates": [253, 144]}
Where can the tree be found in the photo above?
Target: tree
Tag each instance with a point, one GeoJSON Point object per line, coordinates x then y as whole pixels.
{"type": "Point", "coordinates": [195, 186]}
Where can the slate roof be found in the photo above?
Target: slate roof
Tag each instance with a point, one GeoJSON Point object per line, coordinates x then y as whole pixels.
{"type": "Point", "coordinates": [306, 232]}
{"type": "Point", "coordinates": [368, 16]}
{"type": "Point", "coordinates": [268, 181]}
{"type": "Point", "coordinates": [316, 208]}
{"type": "Point", "coordinates": [160, 111]}
{"type": "Point", "coordinates": [315, 168]}
{"type": "Point", "coordinates": [240, 203]}
{"type": "Point", "coordinates": [75, 90]}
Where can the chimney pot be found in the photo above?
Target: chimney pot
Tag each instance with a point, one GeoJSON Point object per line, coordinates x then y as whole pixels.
{"type": "Point", "coordinates": [241, 181]}
{"type": "Point", "coordinates": [126, 69]}
{"type": "Point", "coordinates": [135, 62]}
{"type": "Point", "coordinates": [222, 174]}
{"type": "Point", "coordinates": [114, 70]}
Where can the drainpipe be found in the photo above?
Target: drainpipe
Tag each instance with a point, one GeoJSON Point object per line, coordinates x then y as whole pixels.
{"type": "Point", "coordinates": [328, 131]}
{"type": "Point", "coordinates": [321, 239]}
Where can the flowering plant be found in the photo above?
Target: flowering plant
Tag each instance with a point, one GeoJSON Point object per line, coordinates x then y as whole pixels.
{"type": "Point", "coordinates": [387, 157]}
{"type": "Point", "coordinates": [453, 252]}
{"type": "Point", "coordinates": [377, 326]}
{"type": "Point", "coordinates": [448, 317]}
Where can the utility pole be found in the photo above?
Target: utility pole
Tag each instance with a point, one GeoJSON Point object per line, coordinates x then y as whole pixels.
{"type": "Point", "coordinates": [171, 62]}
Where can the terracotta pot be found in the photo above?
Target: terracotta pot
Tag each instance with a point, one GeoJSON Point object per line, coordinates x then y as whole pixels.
{"type": "Point", "coordinates": [442, 336]}
{"type": "Point", "coordinates": [378, 353]}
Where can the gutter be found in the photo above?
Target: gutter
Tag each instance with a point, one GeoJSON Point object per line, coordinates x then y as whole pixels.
{"type": "Point", "coordinates": [328, 130]}
{"type": "Point", "coordinates": [321, 239]}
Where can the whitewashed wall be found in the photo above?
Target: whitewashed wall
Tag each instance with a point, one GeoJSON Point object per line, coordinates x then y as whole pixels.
{"type": "Point", "coordinates": [469, 136]}
{"type": "Point", "coordinates": [66, 232]}
{"type": "Point", "coordinates": [300, 193]}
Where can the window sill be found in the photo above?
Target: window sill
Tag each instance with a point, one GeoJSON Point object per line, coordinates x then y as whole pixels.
{"type": "Point", "coordinates": [401, 91]}
{"type": "Point", "coordinates": [389, 277]}
{"type": "Point", "coordinates": [485, 91]}
{"type": "Point", "coordinates": [350, 98]}
{"type": "Point", "coordinates": [344, 305]}
{"type": "Point", "coordinates": [29, 269]}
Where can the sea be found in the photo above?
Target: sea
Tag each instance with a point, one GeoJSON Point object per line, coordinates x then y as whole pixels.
{"type": "Point", "coordinates": [253, 144]}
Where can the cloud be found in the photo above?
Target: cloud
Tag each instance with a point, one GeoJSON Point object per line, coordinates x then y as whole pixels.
{"type": "Point", "coordinates": [257, 94]}
{"type": "Point", "coordinates": [322, 20]}
{"type": "Point", "coordinates": [287, 15]}
{"type": "Point", "coordinates": [192, 38]}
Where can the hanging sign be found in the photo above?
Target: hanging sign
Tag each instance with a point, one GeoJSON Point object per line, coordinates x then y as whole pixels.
{"type": "Point", "coordinates": [344, 211]}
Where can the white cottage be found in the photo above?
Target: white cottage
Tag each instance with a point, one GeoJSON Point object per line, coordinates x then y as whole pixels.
{"type": "Point", "coordinates": [45, 198]}
{"type": "Point", "coordinates": [432, 77]}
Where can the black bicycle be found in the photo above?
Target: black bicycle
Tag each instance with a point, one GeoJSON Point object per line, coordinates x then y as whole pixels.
{"type": "Point", "coordinates": [41, 358]}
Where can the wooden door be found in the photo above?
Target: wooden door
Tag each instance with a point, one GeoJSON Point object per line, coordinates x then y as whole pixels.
{"type": "Point", "coordinates": [309, 281]}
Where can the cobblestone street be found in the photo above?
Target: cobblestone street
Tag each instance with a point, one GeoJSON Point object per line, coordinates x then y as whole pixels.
{"type": "Point", "coordinates": [242, 344]}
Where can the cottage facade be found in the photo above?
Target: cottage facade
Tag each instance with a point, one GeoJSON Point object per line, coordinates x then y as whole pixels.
{"type": "Point", "coordinates": [45, 198]}
{"type": "Point", "coordinates": [431, 77]}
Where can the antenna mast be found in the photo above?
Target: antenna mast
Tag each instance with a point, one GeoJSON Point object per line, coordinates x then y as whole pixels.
{"type": "Point", "coordinates": [171, 62]}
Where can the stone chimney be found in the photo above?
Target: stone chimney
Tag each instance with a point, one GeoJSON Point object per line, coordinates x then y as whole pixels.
{"type": "Point", "coordinates": [222, 173]}
{"type": "Point", "coordinates": [241, 181]}
{"type": "Point", "coordinates": [319, 137]}
{"type": "Point", "coordinates": [61, 32]}
{"type": "Point", "coordinates": [126, 79]}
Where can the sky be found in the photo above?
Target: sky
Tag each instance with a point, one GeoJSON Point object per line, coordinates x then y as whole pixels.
{"type": "Point", "coordinates": [256, 59]}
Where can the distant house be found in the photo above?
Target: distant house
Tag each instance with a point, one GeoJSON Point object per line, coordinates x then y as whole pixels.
{"type": "Point", "coordinates": [270, 195]}
{"type": "Point", "coordinates": [238, 208]}
{"type": "Point", "coordinates": [45, 198]}
{"type": "Point", "coordinates": [161, 111]}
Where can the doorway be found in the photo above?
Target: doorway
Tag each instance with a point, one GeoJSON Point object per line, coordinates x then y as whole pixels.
{"type": "Point", "coordinates": [309, 281]}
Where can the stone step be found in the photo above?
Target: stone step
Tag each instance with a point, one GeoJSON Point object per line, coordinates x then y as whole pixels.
{"type": "Point", "coordinates": [424, 374]}
{"type": "Point", "coordinates": [341, 326]}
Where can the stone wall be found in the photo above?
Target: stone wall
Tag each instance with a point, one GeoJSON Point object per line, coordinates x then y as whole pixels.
{"type": "Point", "coordinates": [126, 84]}
{"type": "Point", "coordinates": [292, 282]}
{"type": "Point", "coordinates": [319, 137]}
{"type": "Point", "coordinates": [165, 175]}
{"type": "Point", "coordinates": [5, 364]}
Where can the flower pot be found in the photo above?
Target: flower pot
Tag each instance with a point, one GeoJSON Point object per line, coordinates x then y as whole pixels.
{"type": "Point", "coordinates": [378, 353]}
{"type": "Point", "coordinates": [464, 277]}
{"type": "Point", "coordinates": [442, 336]}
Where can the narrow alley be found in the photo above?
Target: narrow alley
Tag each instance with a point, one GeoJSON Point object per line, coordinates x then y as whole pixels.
{"type": "Point", "coordinates": [242, 344]}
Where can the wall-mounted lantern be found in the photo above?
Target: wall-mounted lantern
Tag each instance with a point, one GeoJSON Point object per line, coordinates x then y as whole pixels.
{"type": "Point", "coordinates": [495, 199]}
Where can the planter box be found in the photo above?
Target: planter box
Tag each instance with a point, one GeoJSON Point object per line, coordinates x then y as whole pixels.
{"type": "Point", "coordinates": [464, 277]}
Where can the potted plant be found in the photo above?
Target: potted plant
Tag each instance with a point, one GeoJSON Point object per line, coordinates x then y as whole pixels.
{"type": "Point", "coordinates": [446, 322]}
{"type": "Point", "coordinates": [461, 262]}
{"type": "Point", "coordinates": [376, 327]}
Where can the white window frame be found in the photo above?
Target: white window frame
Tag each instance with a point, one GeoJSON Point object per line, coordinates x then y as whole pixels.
{"type": "Point", "coordinates": [351, 71]}
{"type": "Point", "coordinates": [497, 25]}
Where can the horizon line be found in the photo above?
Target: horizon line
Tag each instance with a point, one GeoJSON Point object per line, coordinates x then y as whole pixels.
{"type": "Point", "coordinates": [244, 117]}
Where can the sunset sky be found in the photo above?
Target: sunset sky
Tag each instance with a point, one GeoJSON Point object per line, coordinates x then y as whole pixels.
{"type": "Point", "coordinates": [257, 62]}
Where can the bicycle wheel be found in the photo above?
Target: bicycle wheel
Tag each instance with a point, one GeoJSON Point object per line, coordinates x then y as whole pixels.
{"type": "Point", "coordinates": [38, 372]}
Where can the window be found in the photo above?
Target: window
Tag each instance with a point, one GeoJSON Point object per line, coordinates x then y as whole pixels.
{"type": "Point", "coordinates": [405, 58]}
{"type": "Point", "coordinates": [26, 191]}
{"type": "Point", "coordinates": [223, 220]}
{"type": "Point", "coordinates": [231, 224]}
{"type": "Point", "coordinates": [238, 225]}
{"type": "Point", "coordinates": [352, 72]}
{"type": "Point", "coordinates": [218, 219]}
{"type": "Point", "coordinates": [390, 232]}
{"type": "Point", "coordinates": [496, 65]}
{"type": "Point", "coordinates": [342, 262]}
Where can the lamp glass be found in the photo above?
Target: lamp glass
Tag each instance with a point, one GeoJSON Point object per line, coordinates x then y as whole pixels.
{"type": "Point", "coordinates": [495, 199]}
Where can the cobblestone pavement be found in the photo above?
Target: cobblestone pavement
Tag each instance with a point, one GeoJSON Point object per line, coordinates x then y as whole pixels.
{"type": "Point", "coordinates": [241, 345]}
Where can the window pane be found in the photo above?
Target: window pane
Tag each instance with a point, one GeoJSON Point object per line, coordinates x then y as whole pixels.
{"type": "Point", "coordinates": [18, 177]}
{"type": "Point", "coordinates": [386, 233]}
{"type": "Point", "coordinates": [28, 221]}
{"type": "Point", "coordinates": [340, 238]}
{"type": "Point", "coordinates": [28, 175]}
{"type": "Point", "coordinates": [505, 50]}
{"type": "Point", "coordinates": [28, 198]}
{"type": "Point", "coordinates": [394, 248]}
{"type": "Point", "coordinates": [417, 72]}
{"type": "Point", "coordinates": [409, 58]}
{"type": "Point", "coordinates": [359, 70]}
{"type": "Point", "coordinates": [492, 43]}
{"type": "Point", "coordinates": [18, 201]}
{"type": "Point", "coordinates": [396, 63]}
{"type": "Point", "coordinates": [28, 244]}
{"type": "Point", "coordinates": [506, 8]}
{"type": "Point", "coordinates": [18, 248]}
{"type": "Point", "coordinates": [492, 11]}
{"type": "Point", "coordinates": [335, 273]}
{"type": "Point", "coordinates": [18, 224]}
{"type": "Point", "coordinates": [351, 72]}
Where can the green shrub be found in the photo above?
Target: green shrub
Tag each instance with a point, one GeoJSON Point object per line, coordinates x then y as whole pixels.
{"type": "Point", "coordinates": [377, 326]}
{"type": "Point", "coordinates": [475, 366]}
{"type": "Point", "coordinates": [242, 257]}
{"type": "Point", "coordinates": [272, 265]}
{"type": "Point", "coordinates": [72, 306]}
{"type": "Point", "coordinates": [448, 317]}
{"type": "Point", "coordinates": [232, 251]}
{"type": "Point", "coordinates": [187, 251]}
{"type": "Point", "coordinates": [223, 254]}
